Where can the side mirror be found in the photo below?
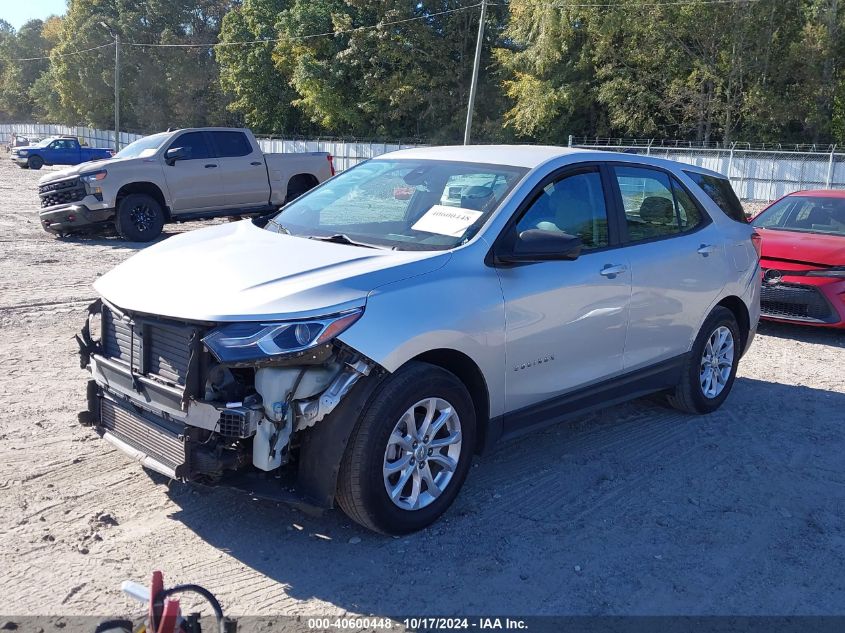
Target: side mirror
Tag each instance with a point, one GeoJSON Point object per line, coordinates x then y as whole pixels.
{"type": "Point", "coordinates": [174, 154]}
{"type": "Point", "coordinates": [535, 245]}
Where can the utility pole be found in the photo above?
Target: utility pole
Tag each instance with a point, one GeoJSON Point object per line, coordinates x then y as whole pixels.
{"type": "Point", "coordinates": [475, 67]}
{"type": "Point", "coordinates": [116, 92]}
{"type": "Point", "coordinates": [116, 37]}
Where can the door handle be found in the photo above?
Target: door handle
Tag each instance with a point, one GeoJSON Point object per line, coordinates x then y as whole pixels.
{"type": "Point", "coordinates": [611, 270]}
{"type": "Point", "coordinates": [706, 249]}
{"type": "Point", "coordinates": [256, 163]}
{"type": "Point", "coordinates": [210, 165]}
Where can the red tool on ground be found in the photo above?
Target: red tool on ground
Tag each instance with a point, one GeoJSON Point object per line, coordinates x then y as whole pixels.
{"type": "Point", "coordinates": [165, 615]}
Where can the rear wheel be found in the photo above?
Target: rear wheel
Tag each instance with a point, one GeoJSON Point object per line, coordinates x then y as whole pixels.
{"type": "Point", "coordinates": [410, 454]}
{"type": "Point", "coordinates": [140, 218]}
{"type": "Point", "coordinates": [35, 162]}
{"type": "Point", "coordinates": [710, 371]}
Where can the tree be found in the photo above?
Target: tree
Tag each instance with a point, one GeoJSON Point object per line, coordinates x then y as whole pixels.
{"type": "Point", "coordinates": [160, 87]}
{"type": "Point", "coordinates": [259, 91]}
{"type": "Point", "coordinates": [16, 75]}
{"type": "Point", "coordinates": [332, 71]}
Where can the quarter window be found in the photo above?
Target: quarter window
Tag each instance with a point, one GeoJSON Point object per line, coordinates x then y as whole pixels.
{"type": "Point", "coordinates": [573, 205]}
{"type": "Point", "coordinates": [194, 144]}
{"type": "Point", "coordinates": [719, 190]}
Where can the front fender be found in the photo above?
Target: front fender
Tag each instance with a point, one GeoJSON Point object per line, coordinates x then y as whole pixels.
{"type": "Point", "coordinates": [458, 306]}
{"type": "Point", "coordinates": [324, 444]}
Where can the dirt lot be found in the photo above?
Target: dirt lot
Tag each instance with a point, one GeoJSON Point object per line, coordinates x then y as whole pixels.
{"type": "Point", "coordinates": [634, 510]}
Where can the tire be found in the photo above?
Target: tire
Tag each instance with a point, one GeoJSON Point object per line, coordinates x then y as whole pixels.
{"type": "Point", "coordinates": [695, 393]}
{"type": "Point", "coordinates": [139, 218]}
{"type": "Point", "coordinates": [35, 162]}
{"type": "Point", "coordinates": [362, 484]}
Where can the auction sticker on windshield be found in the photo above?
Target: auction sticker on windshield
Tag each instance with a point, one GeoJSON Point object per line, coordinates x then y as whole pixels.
{"type": "Point", "coordinates": [443, 220]}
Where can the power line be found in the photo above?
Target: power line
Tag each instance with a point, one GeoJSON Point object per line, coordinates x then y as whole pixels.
{"type": "Point", "coordinates": [617, 5]}
{"type": "Point", "coordinates": [382, 25]}
{"type": "Point", "coordinates": [305, 37]}
{"type": "Point", "coordinates": [86, 50]}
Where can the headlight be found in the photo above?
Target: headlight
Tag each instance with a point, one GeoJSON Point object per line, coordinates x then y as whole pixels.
{"type": "Point", "coordinates": [244, 343]}
{"type": "Point", "coordinates": [837, 271]}
{"type": "Point", "coordinates": [22, 152]}
{"type": "Point", "coordinates": [94, 176]}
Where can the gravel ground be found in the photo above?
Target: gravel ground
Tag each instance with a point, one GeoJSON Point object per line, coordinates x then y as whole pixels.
{"type": "Point", "coordinates": [633, 510]}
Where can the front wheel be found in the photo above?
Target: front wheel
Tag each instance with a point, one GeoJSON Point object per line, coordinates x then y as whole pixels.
{"type": "Point", "coordinates": [410, 453]}
{"type": "Point", "coordinates": [35, 162]}
{"type": "Point", "coordinates": [710, 371]}
{"type": "Point", "coordinates": [139, 218]}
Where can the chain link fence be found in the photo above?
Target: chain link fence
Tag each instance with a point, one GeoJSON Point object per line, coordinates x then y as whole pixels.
{"type": "Point", "coordinates": [758, 174]}
{"type": "Point", "coordinates": [347, 153]}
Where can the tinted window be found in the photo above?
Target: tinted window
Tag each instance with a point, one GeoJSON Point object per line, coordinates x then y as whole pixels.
{"type": "Point", "coordinates": [194, 145]}
{"type": "Point", "coordinates": [719, 190]}
{"type": "Point", "coordinates": [231, 144]}
{"type": "Point", "coordinates": [572, 205]}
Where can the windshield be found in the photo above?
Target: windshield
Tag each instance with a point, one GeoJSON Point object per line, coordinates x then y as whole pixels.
{"type": "Point", "coordinates": [808, 214]}
{"type": "Point", "coordinates": [45, 142]}
{"type": "Point", "coordinates": [143, 147]}
{"type": "Point", "coordinates": [401, 204]}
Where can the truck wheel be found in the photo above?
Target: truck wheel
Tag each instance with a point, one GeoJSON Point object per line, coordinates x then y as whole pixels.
{"type": "Point", "coordinates": [709, 373]}
{"type": "Point", "coordinates": [35, 162]}
{"type": "Point", "coordinates": [139, 218]}
{"type": "Point", "coordinates": [410, 453]}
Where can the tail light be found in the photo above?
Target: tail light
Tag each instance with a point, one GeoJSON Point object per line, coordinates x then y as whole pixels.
{"type": "Point", "coordinates": [331, 163]}
{"type": "Point", "coordinates": [757, 242]}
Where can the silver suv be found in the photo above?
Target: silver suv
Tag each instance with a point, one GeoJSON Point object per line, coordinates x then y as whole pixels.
{"type": "Point", "coordinates": [362, 344]}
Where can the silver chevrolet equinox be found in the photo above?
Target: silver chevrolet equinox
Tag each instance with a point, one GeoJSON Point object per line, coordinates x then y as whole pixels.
{"type": "Point", "coordinates": [360, 345]}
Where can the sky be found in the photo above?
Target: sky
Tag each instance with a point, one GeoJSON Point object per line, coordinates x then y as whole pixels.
{"type": "Point", "coordinates": [17, 12]}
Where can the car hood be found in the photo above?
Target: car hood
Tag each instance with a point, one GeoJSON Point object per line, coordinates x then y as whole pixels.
{"type": "Point", "coordinates": [807, 248]}
{"type": "Point", "coordinates": [75, 170]}
{"type": "Point", "coordinates": [240, 272]}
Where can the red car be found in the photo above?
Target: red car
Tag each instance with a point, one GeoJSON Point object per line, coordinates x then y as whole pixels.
{"type": "Point", "coordinates": [803, 258]}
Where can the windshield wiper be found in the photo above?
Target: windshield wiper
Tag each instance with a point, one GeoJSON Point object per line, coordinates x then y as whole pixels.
{"type": "Point", "coordinates": [340, 238]}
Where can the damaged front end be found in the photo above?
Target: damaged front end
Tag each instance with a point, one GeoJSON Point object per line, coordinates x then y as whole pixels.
{"type": "Point", "coordinates": [222, 403]}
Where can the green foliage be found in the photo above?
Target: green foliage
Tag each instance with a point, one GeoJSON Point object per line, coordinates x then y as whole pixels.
{"type": "Point", "coordinates": [706, 71]}
{"type": "Point", "coordinates": [768, 70]}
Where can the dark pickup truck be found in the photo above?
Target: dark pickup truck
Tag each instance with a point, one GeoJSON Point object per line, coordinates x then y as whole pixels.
{"type": "Point", "coordinates": [64, 150]}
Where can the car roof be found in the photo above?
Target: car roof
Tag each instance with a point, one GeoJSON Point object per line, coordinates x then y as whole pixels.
{"type": "Point", "coordinates": [530, 156]}
{"type": "Point", "coordinates": [819, 193]}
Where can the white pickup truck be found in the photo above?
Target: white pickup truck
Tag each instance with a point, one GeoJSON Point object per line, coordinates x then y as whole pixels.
{"type": "Point", "coordinates": [173, 177]}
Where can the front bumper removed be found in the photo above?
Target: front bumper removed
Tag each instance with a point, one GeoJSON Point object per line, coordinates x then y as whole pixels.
{"type": "Point", "coordinates": [169, 448]}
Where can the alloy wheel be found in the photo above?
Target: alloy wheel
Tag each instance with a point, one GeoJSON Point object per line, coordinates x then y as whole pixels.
{"type": "Point", "coordinates": [422, 453]}
{"type": "Point", "coordinates": [717, 362]}
{"type": "Point", "coordinates": [142, 217]}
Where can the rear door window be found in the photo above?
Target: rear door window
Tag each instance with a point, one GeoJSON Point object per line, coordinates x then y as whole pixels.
{"type": "Point", "coordinates": [719, 190]}
{"type": "Point", "coordinates": [231, 144]}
